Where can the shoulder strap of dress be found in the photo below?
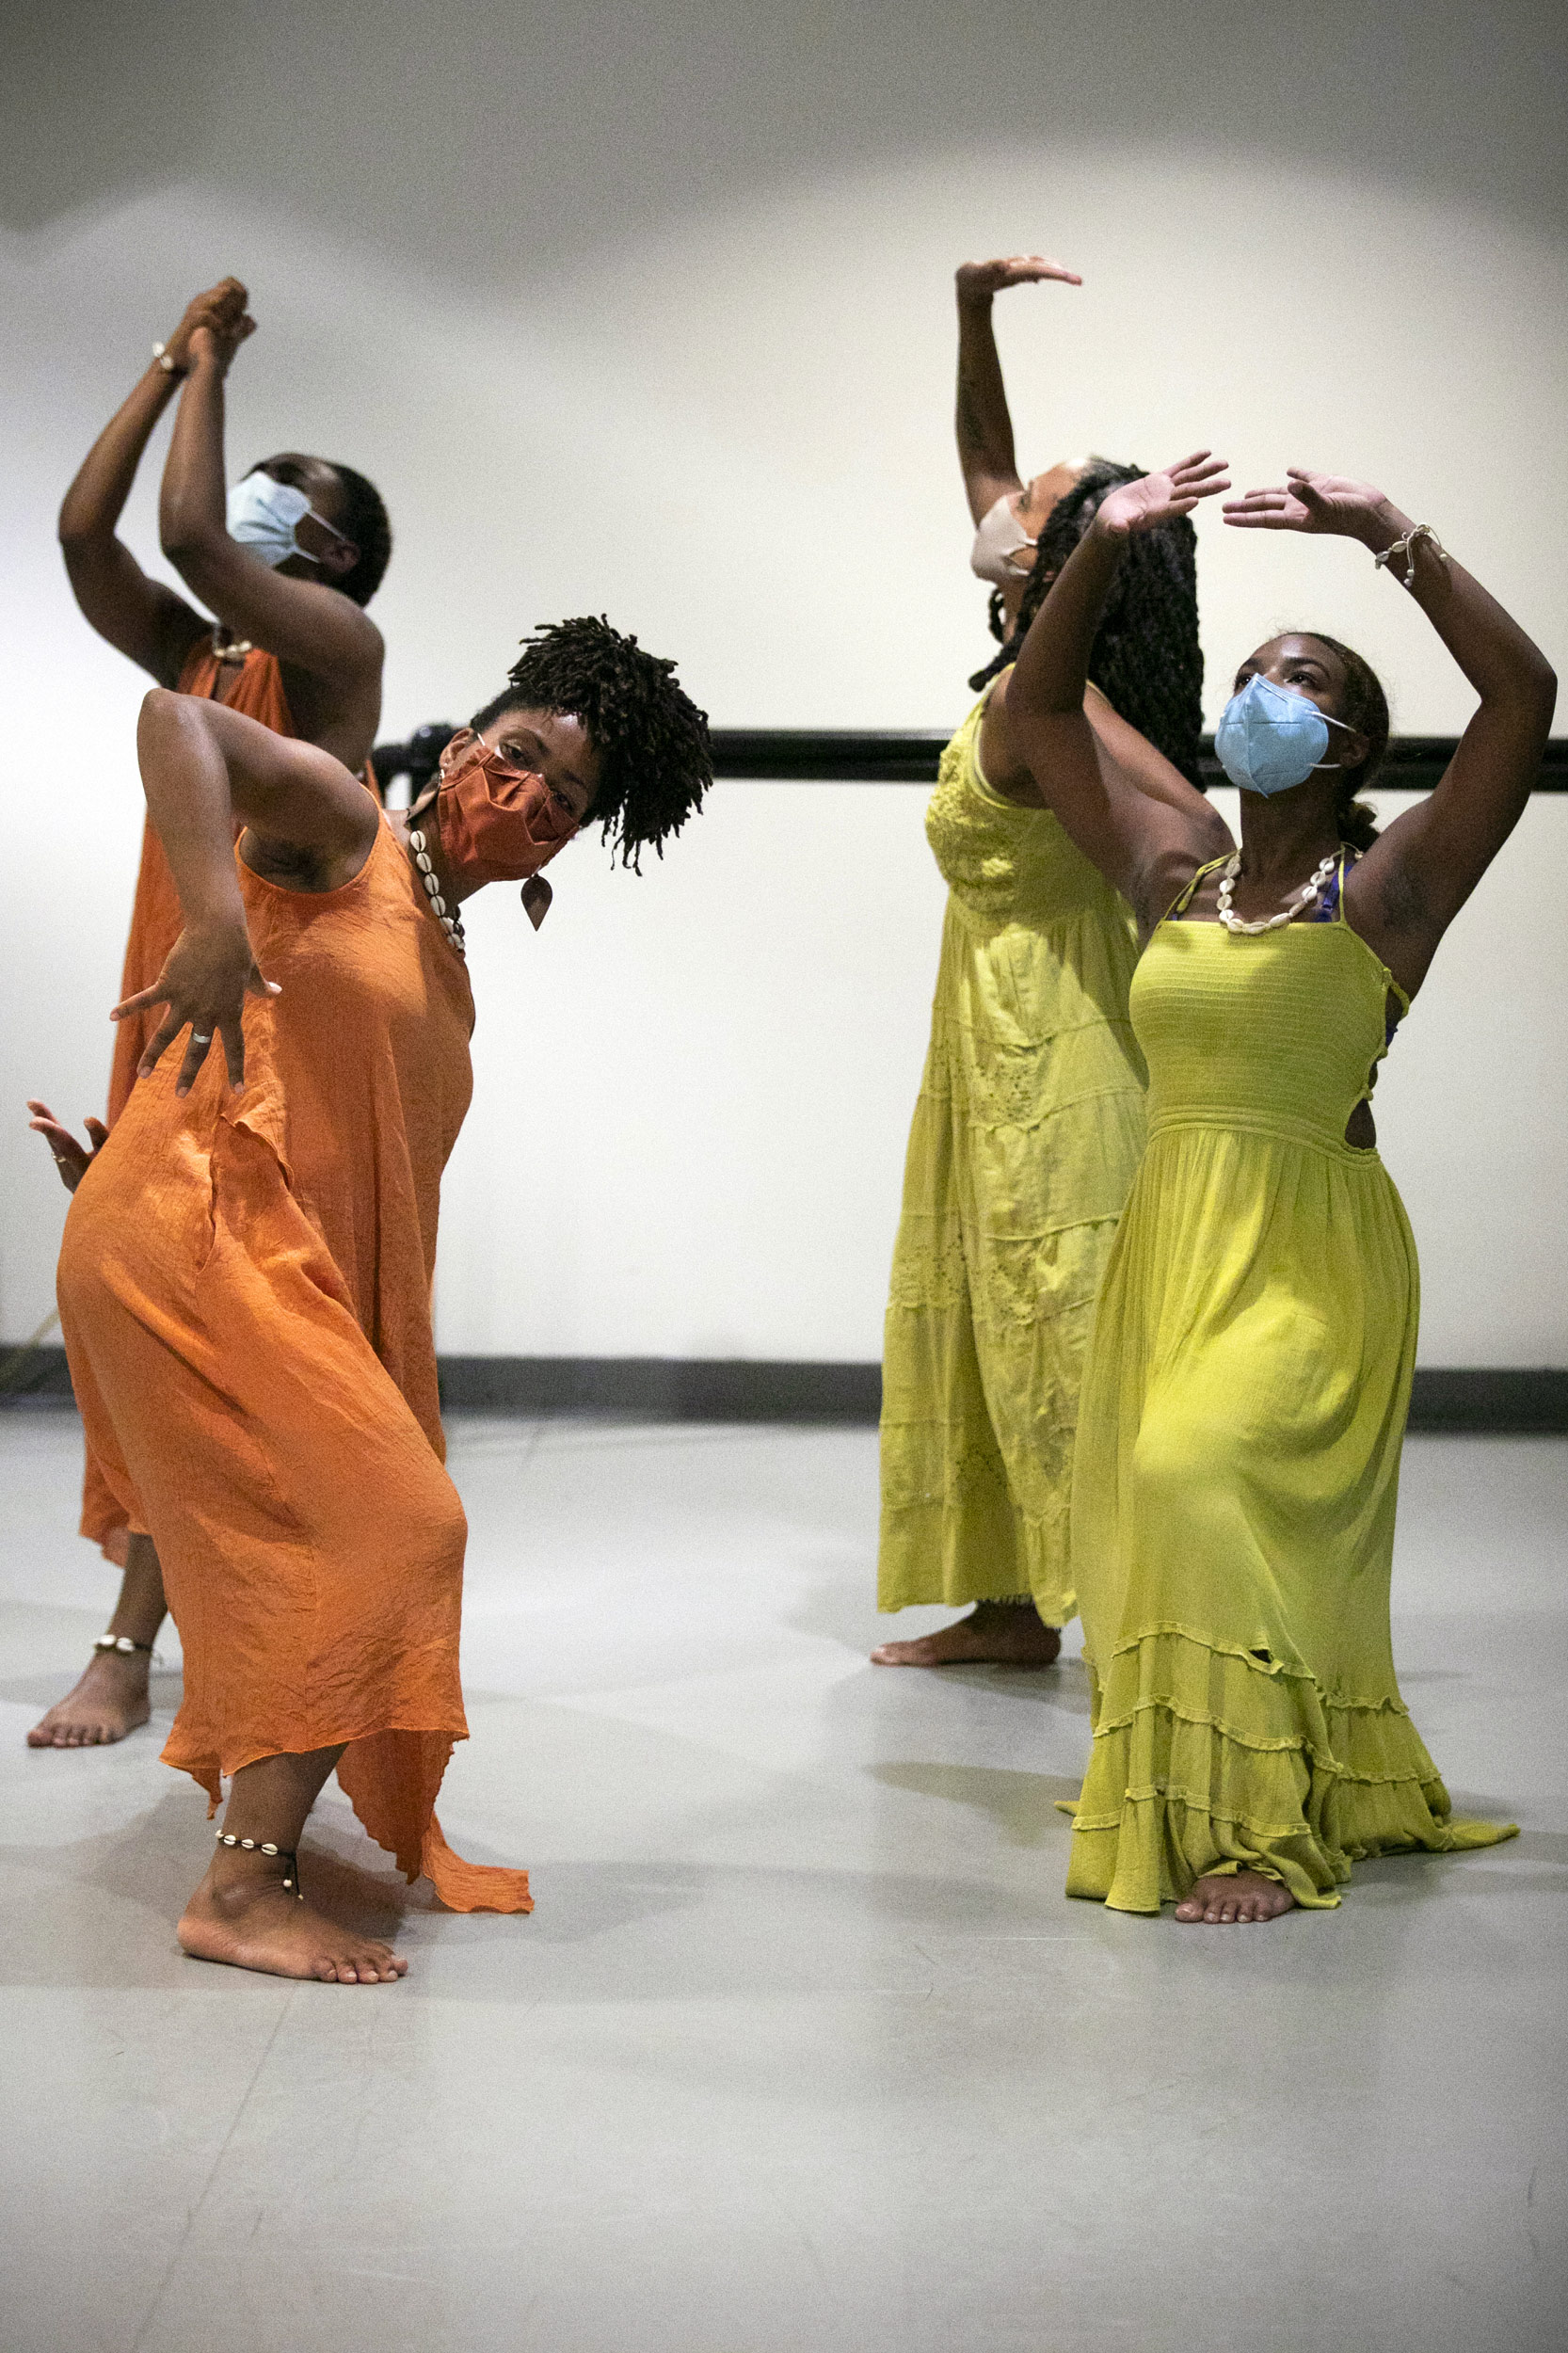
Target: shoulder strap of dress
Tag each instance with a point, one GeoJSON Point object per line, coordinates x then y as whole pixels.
{"type": "Point", "coordinates": [1183, 899]}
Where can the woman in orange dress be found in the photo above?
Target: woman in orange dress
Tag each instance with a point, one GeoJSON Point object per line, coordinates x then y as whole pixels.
{"type": "Point", "coordinates": [294, 648]}
{"type": "Point", "coordinates": [245, 1278]}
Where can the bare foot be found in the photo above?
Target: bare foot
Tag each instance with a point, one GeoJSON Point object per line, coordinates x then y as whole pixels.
{"type": "Point", "coordinates": [253, 1923]}
{"type": "Point", "coordinates": [1233, 1899]}
{"type": "Point", "coordinates": [109, 1702]}
{"type": "Point", "coordinates": [999, 1633]}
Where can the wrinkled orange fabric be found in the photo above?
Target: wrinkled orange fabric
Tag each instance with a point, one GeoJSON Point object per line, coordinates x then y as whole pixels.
{"type": "Point", "coordinates": [155, 925]}
{"type": "Point", "coordinates": [245, 1292]}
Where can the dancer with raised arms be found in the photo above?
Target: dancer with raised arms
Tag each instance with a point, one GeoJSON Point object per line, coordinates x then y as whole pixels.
{"type": "Point", "coordinates": [1030, 1120]}
{"type": "Point", "coordinates": [1009, 513]}
{"type": "Point", "coordinates": [1245, 1396]}
{"type": "Point", "coordinates": [245, 1278]}
{"type": "Point", "coordinates": [288, 559]}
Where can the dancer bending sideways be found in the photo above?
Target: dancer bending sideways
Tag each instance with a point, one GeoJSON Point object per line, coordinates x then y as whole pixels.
{"type": "Point", "coordinates": [1245, 1394]}
{"type": "Point", "coordinates": [1030, 1120]}
{"type": "Point", "coordinates": [288, 560]}
{"type": "Point", "coordinates": [245, 1278]}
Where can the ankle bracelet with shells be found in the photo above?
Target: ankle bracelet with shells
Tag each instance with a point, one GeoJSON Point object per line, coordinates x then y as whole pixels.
{"type": "Point", "coordinates": [266, 1847]}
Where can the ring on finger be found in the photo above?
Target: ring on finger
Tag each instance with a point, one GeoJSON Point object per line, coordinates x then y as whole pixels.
{"type": "Point", "coordinates": [197, 1038]}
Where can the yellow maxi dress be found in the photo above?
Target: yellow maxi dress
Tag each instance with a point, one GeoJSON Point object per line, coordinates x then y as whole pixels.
{"type": "Point", "coordinates": [1027, 1132]}
{"type": "Point", "coordinates": [1238, 1466]}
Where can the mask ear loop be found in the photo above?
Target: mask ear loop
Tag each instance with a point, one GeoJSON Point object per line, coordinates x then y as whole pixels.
{"type": "Point", "coordinates": [1330, 721]}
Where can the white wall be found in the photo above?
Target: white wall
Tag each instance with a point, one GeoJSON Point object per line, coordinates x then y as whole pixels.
{"type": "Point", "coordinates": [671, 338]}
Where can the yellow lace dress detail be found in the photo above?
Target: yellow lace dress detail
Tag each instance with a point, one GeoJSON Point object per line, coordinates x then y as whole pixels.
{"type": "Point", "coordinates": [1027, 1132]}
{"type": "Point", "coordinates": [1237, 1465]}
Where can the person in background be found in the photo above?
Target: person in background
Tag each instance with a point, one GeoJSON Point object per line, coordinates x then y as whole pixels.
{"type": "Point", "coordinates": [1008, 513]}
{"type": "Point", "coordinates": [1030, 1120]}
{"type": "Point", "coordinates": [286, 561]}
{"type": "Point", "coordinates": [245, 1277]}
{"type": "Point", "coordinates": [1248, 1377]}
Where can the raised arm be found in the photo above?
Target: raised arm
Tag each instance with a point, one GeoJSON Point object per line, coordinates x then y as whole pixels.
{"type": "Point", "coordinates": [1146, 841]}
{"type": "Point", "coordinates": [204, 770]}
{"type": "Point", "coordinates": [1418, 874]}
{"type": "Point", "coordinates": [140, 618]}
{"type": "Point", "coordinates": [982, 422]}
{"type": "Point", "coordinates": [306, 623]}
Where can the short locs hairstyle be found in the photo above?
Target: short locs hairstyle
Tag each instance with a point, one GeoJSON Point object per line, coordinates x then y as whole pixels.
{"type": "Point", "coordinates": [1146, 661]}
{"type": "Point", "coordinates": [655, 762]}
{"type": "Point", "coordinates": [362, 517]}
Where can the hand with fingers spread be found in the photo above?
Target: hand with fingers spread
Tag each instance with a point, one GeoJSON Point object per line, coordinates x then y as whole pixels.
{"type": "Point", "coordinates": [977, 281]}
{"type": "Point", "coordinates": [1160, 498]}
{"type": "Point", "coordinates": [209, 972]}
{"type": "Point", "coordinates": [1323, 503]}
{"type": "Point", "coordinates": [71, 1159]}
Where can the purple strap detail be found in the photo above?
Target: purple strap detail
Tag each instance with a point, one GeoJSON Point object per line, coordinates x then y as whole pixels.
{"type": "Point", "coordinates": [1327, 909]}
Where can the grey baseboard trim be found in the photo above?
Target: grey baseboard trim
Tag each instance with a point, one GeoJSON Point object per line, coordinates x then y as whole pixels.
{"type": "Point", "coordinates": [734, 1388]}
{"type": "Point", "coordinates": [663, 1388]}
{"type": "Point", "coordinates": [1521, 1404]}
{"type": "Point", "coordinates": [39, 1377]}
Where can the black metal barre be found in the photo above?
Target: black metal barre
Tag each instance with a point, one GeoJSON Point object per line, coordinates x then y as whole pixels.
{"type": "Point", "coordinates": [1412, 763]}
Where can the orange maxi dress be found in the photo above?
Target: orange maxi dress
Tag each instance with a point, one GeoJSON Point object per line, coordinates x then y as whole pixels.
{"type": "Point", "coordinates": [245, 1292]}
{"type": "Point", "coordinates": [155, 925]}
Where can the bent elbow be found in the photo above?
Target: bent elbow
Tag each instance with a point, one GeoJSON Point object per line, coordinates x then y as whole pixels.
{"type": "Point", "coordinates": [158, 706]}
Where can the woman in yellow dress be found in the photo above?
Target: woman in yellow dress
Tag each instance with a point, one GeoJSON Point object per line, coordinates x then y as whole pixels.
{"type": "Point", "coordinates": [1029, 1120]}
{"type": "Point", "coordinates": [1245, 1394]}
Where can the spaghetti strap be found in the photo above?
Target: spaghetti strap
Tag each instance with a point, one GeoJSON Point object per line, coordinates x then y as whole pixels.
{"type": "Point", "coordinates": [1183, 899]}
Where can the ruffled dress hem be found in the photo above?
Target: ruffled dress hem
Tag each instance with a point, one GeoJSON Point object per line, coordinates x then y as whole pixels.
{"type": "Point", "coordinates": [1211, 1760]}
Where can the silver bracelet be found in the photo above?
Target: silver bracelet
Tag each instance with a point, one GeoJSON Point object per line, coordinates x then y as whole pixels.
{"type": "Point", "coordinates": [166, 359]}
{"type": "Point", "coordinates": [1406, 548]}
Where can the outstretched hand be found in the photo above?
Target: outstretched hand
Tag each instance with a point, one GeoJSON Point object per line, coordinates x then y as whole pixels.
{"type": "Point", "coordinates": [977, 281]}
{"type": "Point", "coordinates": [1326, 503]}
{"type": "Point", "coordinates": [208, 975]}
{"type": "Point", "coordinates": [1161, 498]}
{"type": "Point", "coordinates": [71, 1159]}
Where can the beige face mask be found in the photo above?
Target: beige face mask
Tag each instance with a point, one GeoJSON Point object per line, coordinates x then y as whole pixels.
{"type": "Point", "coordinates": [1003, 553]}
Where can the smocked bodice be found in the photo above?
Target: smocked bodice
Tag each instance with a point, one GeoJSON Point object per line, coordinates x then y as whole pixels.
{"type": "Point", "coordinates": [1278, 1030]}
{"type": "Point", "coordinates": [1005, 864]}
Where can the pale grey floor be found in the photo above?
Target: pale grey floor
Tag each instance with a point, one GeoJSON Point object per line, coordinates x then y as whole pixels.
{"type": "Point", "coordinates": [804, 2049]}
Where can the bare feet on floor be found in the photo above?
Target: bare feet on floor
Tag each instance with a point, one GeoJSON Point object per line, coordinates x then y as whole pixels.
{"type": "Point", "coordinates": [253, 1923]}
{"type": "Point", "coordinates": [997, 1633]}
{"type": "Point", "coordinates": [109, 1702]}
{"type": "Point", "coordinates": [1228, 1900]}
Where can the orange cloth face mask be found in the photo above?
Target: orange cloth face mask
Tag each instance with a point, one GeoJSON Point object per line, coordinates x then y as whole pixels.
{"type": "Point", "coordinates": [500, 823]}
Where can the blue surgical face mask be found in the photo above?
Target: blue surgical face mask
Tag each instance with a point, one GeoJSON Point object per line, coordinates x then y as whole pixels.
{"type": "Point", "coordinates": [264, 516]}
{"type": "Point", "coordinates": [1270, 739]}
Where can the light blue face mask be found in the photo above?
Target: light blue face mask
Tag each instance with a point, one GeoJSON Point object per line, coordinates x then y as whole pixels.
{"type": "Point", "coordinates": [264, 516]}
{"type": "Point", "coordinates": [1270, 739]}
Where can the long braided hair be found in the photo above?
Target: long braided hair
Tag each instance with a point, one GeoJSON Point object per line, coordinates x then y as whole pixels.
{"type": "Point", "coordinates": [1146, 661]}
{"type": "Point", "coordinates": [1364, 707]}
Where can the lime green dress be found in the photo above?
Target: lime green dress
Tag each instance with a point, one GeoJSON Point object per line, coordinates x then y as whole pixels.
{"type": "Point", "coordinates": [1237, 1466]}
{"type": "Point", "coordinates": [1025, 1135]}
